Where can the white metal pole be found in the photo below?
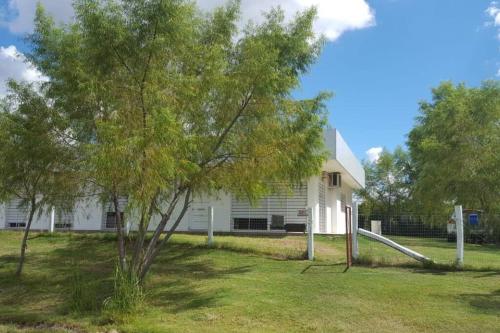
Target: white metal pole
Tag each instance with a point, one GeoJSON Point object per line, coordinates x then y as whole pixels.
{"type": "Point", "coordinates": [310, 234]}
{"type": "Point", "coordinates": [355, 250]}
{"type": "Point", "coordinates": [52, 219]}
{"type": "Point", "coordinates": [127, 228]}
{"type": "Point", "coordinates": [459, 222]}
{"type": "Point", "coordinates": [210, 225]}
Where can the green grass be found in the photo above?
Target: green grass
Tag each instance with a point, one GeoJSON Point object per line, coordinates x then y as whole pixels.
{"type": "Point", "coordinates": [476, 257]}
{"type": "Point", "coordinates": [248, 284]}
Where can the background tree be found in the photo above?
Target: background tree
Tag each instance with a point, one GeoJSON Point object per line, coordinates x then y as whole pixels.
{"type": "Point", "coordinates": [35, 164]}
{"type": "Point", "coordinates": [171, 103]}
{"type": "Point", "coordinates": [455, 146]}
{"type": "Point", "coordinates": [388, 184]}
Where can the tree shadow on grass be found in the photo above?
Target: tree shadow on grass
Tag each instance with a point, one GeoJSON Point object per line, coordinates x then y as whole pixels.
{"type": "Point", "coordinates": [44, 289]}
{"type": "Point", "coordinates": [177, 280]}
{"type": "Point", "coordinates": [486, 303]}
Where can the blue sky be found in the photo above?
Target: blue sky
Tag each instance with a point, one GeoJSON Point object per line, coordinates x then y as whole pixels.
{"type": "Point", "coordinates": [381, 58]}
{"type": "Point", "coordinates": [379, 74]}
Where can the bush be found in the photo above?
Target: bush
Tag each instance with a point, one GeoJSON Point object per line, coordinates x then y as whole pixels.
{"type": "Point", "coordinates": [128, 295]}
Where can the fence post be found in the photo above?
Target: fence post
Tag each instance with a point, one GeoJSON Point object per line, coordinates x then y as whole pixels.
{"type": "Point", "coordinates": [355, 250]}
{"type": "Point", "coordinates": [210, 225]}
{"type": "Point", "coordinates": [459, 222]}
{"type": "Point", "coordinates": [52, 219]}
{"type": "Point", "coordinates": [310, 234]}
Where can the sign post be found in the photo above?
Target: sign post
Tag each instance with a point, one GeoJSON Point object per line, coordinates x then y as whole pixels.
{"type": "Point", "coordinates": [310, 234]}
{"type": "Point", "coordinates": [459, 222]}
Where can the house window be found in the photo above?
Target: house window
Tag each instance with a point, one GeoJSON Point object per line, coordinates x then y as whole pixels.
{"type": "Point", "coordinates": [111, 220]}
{"type": "Point", "coordinates": [16, 214]}
{"type": "Point", "coordinates": [250, 224]}
{"type": "Point", "coordinates": [63, 219]}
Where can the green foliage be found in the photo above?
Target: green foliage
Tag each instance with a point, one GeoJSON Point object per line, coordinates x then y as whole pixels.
{"type": "Point", "coordinates": [455, 148]}
{"type": "Point", "coordinates": [388, 184]}
{"type": "Point", "coordinates": [127, 297]}
{"type": "Point", "coordinates": [35, 159]}
{"type": "Point", "coordinates": [169, 103]}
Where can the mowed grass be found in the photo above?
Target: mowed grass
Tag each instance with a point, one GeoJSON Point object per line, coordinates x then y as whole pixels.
{"type": "Point", "coordinates": [476, 257]}
{"type": "Point", "coordinates": [245, 284]}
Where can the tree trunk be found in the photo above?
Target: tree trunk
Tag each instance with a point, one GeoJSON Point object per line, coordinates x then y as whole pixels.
{"type": "Point", "coordinates": [24, 242]}
{"type": "Point", "coordinates": [150, 256]}
{"type": "Point", "coordinates": [119, 231]}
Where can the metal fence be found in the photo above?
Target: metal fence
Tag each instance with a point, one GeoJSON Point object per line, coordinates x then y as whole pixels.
{"type": "Point", "coordinates": [433, 236]}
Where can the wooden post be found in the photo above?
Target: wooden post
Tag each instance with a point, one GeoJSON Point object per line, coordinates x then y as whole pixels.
{"type": "Point", "coordinates": [355, 249]}
{"type": "Point", "coordinates": [459, 222]}
{"type": "Point", "coordinates": [310, 234]}
{"type": "Point", "coordinates": [210, 226]}
{"type": "Point", "coordinates": [52, 220]}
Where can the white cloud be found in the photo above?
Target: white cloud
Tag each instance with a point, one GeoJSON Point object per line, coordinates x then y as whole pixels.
{"type": "Point", "coordinates": [20, 13]}
{"type": "Point", "coordinates": [373, 154]}
{"type": "Point", "coordinates": [13, 65]}
{"type": "Point", "coordinates": [494, 12]}
{"type": "Point", "coordinates": [334, 16]}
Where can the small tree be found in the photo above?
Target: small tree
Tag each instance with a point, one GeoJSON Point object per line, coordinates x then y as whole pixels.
{"type": "Point", "coordinates": [34, 163]}
{"type": "Point", "coordinates": [388, 183]}
{"type": "Point", "coordinates": [175, 103]}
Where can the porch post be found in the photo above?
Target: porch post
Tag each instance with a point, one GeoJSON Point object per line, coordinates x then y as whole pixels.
{"type": "Point", "coordinates": [210, 225]}
{"type": "Point", "coordinates": [310, 234]}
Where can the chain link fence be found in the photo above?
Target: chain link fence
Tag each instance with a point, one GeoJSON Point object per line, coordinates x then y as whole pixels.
{"type": "Point", "coordinates": [433, 236]}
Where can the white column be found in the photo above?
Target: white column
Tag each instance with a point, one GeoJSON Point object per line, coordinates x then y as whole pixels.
{"type": "Point", "coordinates": [52, 219]}
{"type": "Point", "coordinates": [310, 233]}
{"type": "Point", "coordinates": [210, 226]}
{"type": "Point", "coordinates": [355, 250]}
{"type": "Point", "coordinates": [459, 222]}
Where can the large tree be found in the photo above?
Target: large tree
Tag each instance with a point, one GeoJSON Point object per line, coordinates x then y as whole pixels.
{"type": "Point", "coordinates": [170, 103]}
{"type": "Point", "coordinates": [36, 162]}
{"type": "Point", "coordinates": [455, 146]}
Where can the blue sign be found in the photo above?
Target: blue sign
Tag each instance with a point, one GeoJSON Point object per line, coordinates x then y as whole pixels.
{"type": "Point", "coordinates": [473, 219]}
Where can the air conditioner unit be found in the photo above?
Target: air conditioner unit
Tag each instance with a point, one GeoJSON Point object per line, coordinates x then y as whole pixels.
{"type": "Point", "coordinates": [334, 179]}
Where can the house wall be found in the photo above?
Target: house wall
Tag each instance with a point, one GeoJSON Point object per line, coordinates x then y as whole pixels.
{"type": "Point", "coordinates": [89, 214]}
{"type": "Point", "coordinates": [340, 197]}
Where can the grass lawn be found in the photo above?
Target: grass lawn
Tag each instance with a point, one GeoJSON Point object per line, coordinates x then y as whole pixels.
{"type": "Point", "coordinates": [249, 284]}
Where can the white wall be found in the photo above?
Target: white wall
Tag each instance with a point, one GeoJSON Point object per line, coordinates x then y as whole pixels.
{"type": "Point", "coordinates": [88, 215]}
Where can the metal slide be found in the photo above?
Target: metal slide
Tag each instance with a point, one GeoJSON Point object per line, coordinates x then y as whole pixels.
{"type": "Point", "coordinates": [394, 245]}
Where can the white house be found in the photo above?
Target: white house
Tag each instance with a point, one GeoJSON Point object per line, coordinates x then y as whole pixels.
{"type": "Point", "coordinates": [327, 194]}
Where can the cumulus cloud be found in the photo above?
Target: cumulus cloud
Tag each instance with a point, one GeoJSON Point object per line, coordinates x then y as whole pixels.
{"type": "Point", "coordinates": [373, 154]}
{"type": "Point", "coordinates": [334, 16]}
{"type": "Point", "coordinates": [13, 65]}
